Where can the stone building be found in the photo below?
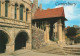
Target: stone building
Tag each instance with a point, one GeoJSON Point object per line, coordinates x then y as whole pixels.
{"type": "Point", "coordinates": [51, 21]}
{"type": "Point", "coordinates": [15, 25]}
{"type": "Point", "coordinates": [24, 25]}
{"type": "Point", "coordinates": [77, 28]}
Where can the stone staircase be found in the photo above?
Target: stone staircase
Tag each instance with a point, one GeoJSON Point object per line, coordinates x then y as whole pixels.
{"type": "Point", "coordinates": [51, 49]}
{"type": "Point", "coordinates": [72, 49]}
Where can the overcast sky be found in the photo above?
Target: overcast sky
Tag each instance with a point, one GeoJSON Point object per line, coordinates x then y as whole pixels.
{"type": "Point", "coordinates": [71, 8]}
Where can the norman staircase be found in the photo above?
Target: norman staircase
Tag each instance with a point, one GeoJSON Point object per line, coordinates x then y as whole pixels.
{"type": "Point", "coordinates": [72, 49]}
{"type": "Point", "coordinates": [51, 49]}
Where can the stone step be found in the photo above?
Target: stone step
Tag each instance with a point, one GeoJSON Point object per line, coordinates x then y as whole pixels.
{"type": "Point", "coordinates": [51, 49]}
{"type": "Point", "coordinates": [56, 52]}
{"type": "Point", "coordinates": [21, 51]}
{"type": "Point", "coordinates": [71, 47]}
{"type": "Point", "coordinates": [72, 50]}
{"type": "Point", "coordinates": [76, 53]}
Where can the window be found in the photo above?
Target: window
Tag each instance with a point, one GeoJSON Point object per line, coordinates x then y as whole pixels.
{"type": "Point", "coordinates": [15, 11]}
{"type": "Point", "coordinates": [0, 8]}
{"type": "Point", "coordinates": [6, 9]}
{"type": "Point", "coordinates": [26, 14]}
{"type": "Point", "coordinates": [21, 12]}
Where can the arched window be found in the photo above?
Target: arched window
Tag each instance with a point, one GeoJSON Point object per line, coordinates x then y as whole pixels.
{"type": "Point", "coordinates": [21, 12]}
{"type": "Point", "coordinates": [6, 9]}
{"type": "Point", "coordinates": [16, 11]}
{"type": "Point", "coordinates": [26, 14]}
{"type": "Point", "coordinates": [0, 8]}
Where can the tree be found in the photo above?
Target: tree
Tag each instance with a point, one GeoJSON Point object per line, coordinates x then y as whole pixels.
{"type": "Point", "coordinates": [71, 33]}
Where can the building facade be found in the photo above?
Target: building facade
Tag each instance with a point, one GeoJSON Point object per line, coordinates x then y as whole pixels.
{"type": "Point", "coordinates": [52, 21]}
{"type": "Point", "coordinates": [15, 25]}
{"type": "Point", "coordinates": [21, 21]}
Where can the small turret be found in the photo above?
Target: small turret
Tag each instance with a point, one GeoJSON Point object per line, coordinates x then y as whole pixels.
{"type": "Point", "coordinates": [35, 2]}
{"type": "Point", "coordinates": [40, 6]}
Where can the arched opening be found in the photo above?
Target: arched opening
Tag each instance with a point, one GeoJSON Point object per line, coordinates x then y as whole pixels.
{"type": "Point", "coordinates": [6, 9]}
{"type": "Point", "coordinates": [27, 13]}
{"type": "Point", "coordinates": [51, 35]}
{"type": "Point", "coordinates": [3, 41]}
{"type": "Point", "coordinates": [0, 8]}
{"type": "Point", "coordinates": [20, 41]}
{"type": "Point", "coordinates": [16, 10]}
{"type": "Point", "coordinates": [21, 11]}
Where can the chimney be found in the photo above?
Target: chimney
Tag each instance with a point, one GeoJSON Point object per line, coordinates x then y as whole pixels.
{"type": "Point", "coordinates": [35, 2]}
{"type": "Point", "coordinates": [40, 6]}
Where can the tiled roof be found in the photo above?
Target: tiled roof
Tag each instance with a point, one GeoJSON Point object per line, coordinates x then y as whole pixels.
{"type": "Point", "coordinates": [32, 5]}
{"type": "Point", "coordinates": [49, 13]}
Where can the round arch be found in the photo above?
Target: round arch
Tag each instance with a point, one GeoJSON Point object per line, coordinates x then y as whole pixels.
{"type": "Point", "coordinates": [20, 40]}
{"type": "Point", "coordinates": [27, 9]}
{"type": "Point", "coordinates": [6, 32]}
{"type": "Point", "coordinates": [22, 5]}
{"type": "Point", "coordinates": [4, 40]}
{"type": "Point", "coordinates": [16, 4]}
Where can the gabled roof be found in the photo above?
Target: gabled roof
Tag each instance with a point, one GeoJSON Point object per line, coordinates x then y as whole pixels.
{"type": "Point", "coordinates": [49, 13]}
{"type": "Point", "coordinates": [32, 5]}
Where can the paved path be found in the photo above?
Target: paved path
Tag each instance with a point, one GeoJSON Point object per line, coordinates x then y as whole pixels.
{"type": "Point", "coordinates": [77, 45]}
{"type": "Point", "coordinates": [34, 53]}
{"type": "Point", "coordinates": [31, 53]}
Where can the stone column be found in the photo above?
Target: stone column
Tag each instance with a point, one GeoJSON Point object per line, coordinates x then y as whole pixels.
{"type": "Point", "coordinates": [13, 11]}
{"type": "Point", "coordinates": [29, 16]}
{"type": "Point", "coordinates": [9, 10]}
{"type": "Point", "coordinates": [60, 31]}
{"type": "Point", "coordinates": [2, 8]}
{"type": "Point", "coordinates": [9, 48]}
{"type": "Point", "coordinates": [24, 15]}
{"type": "Point", "coordinates": [28, 45]}
{"type": "Point", "coordinates": [29, 41]}
{"type": "Point", "coordinates": [35, 24]}
{"type": "Point", "coordinates": [47, 32]}
{"type": "Point", "coordinates": [18, 13]}
{"type": "Point", "coordinates": [64, 35]}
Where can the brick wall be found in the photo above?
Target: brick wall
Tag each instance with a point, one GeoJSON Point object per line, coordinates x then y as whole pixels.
{"type": "Point", "coordinates": [37, 37]}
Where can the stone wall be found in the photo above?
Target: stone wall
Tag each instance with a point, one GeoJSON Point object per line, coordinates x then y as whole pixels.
{"type": "Point", "coordinates": [37, 37]}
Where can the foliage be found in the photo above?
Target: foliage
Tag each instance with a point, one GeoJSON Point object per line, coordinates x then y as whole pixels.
{"type": "Point", "coordinates": [77, 39]}
{"type": "Point", "coordinates": [77, 35]}
{"type": "Point", "coordinates": [71, 33]}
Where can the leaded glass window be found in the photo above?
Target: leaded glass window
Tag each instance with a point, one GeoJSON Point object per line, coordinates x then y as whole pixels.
{"type": "Point", "coordinates": [6, 9]}
{"type": "Point", "coordinates": [21, 12]}
{"type": "Point", "coordinates": [26, 15]}
{"type": "Point", "coordinates": [15, 11]}
{"type": "Point", "coordinates": [0, 8]}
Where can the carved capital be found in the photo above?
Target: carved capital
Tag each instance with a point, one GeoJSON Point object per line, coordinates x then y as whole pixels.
{"type": "Point", "coordinates": [17, 8]}
{"type": "Point", "coordinates": [59, 24]}
{"type": "Point", "coordinates": [3, 1]}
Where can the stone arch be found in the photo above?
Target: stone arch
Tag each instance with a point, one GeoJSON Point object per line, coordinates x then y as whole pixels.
{"type": "Point", "coordinates": [16, 4]}
{"type": "Point", "coordinates": [27, 13]}
{"type": "Point", "coordinates": [4, 40]}
{"type": "Point", "coordinates": [21, 40]}
{"type": "Point", "coordinates": [22, 5]}
{"type": "Point", "coordinates": [9, 36]}
{"type": "Point", "coordinates": [27, 9]}
{"type": "Point", "coordinates": [15, 10]}
{"type": "Point", "coordinates": [21, 11]}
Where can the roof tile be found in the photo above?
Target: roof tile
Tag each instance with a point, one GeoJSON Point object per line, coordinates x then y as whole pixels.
{"type": "Point", "coordinates": [49, 13]}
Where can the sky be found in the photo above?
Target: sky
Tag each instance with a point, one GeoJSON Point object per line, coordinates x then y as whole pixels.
{"type": "Point", "coordinates": [71, 9]}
